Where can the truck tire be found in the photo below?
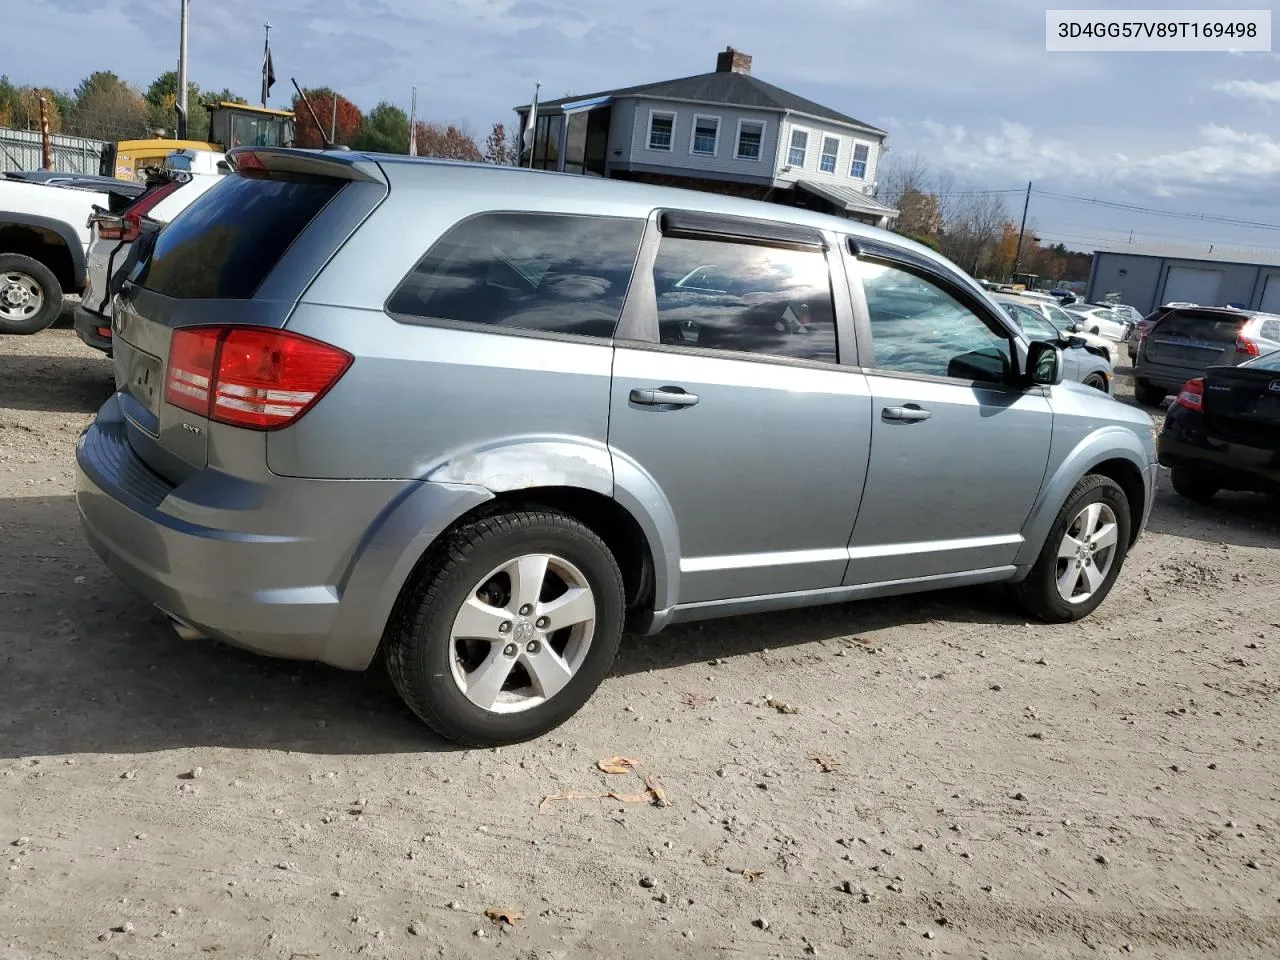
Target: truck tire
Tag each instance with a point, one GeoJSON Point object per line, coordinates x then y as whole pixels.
{"type": "Point", "coordinates": [30, 295]}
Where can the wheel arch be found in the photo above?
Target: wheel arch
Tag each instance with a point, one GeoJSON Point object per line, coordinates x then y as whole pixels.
{"type": "Point", "coordinates": [52, 242]}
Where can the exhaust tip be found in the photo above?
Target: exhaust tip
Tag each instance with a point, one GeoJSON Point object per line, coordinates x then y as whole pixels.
{"type": "Point", "coordinates": [183, 629]}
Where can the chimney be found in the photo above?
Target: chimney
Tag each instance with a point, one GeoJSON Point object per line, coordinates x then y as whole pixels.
{"type": "Point", "coordinates": [733, 61]}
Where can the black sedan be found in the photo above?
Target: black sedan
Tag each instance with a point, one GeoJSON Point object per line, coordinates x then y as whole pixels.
{"type": "Point", "coordinates": [1223, 430]}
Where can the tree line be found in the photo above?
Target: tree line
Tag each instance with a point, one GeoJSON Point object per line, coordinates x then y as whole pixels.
{"type": "Point", "coordinates": [105, 107]}
{"type": "Point", "coordinates": [970, 226]}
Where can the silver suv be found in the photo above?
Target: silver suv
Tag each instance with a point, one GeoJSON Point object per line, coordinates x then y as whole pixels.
{"type": "Point", "coordinates": [482, 420]}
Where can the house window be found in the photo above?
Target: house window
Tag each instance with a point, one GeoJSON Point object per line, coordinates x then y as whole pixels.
{"type": "Point", "coordinates": [859, 166]}
{"type": "Point", "coordinates": [830, 149]}
{"type": "Point", "coordinates": [706, 134]}
{"type": "Point", "coordinates": [750, 139]}
{"type": "Point", "coordinates": [799, 145]}
{"type": "Point", "coordinates": [661, 127]}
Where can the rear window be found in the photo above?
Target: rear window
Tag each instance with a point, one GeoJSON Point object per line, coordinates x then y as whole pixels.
{"type": "Point", "coordinates": [224, 245]}
{"type": "Point", "coordinates": [1200, 325]}
{"type": "Point", "coordinates": [553, 273]}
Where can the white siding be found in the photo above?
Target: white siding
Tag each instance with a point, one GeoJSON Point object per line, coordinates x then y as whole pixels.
{"type": "Point", "coordinates": [844, 159]}
{"type": "Point", "coordinates": [680, 156]}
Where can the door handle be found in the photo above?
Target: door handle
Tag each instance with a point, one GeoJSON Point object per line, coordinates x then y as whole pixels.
{"type": "Point", "coordinates": [911, 413]}
{"type": "Point", "coordinates": [671, 397]}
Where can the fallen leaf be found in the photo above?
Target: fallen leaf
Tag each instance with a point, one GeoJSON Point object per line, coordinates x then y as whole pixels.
{"type": "Point", "coordinates": [782, 707]}
{"type": "Point", "coordinates": [751, 876]}
{"type": "Point", "coordinates": [645, 797]}
{"type": "Point", "coordinates": [659, 794]}
{"type": "Point", "coordinates": [504, 915]}
{"type": "Point", "coordinates": [694, 700]}
{"type": "Point", "coordinates": [617, 764]}
{"type": "Point", "coordinates": [571, 795]}
{"type": "Point", "coordinates": [827, 764]}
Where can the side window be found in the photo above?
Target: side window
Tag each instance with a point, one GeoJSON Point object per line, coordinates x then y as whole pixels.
{"type": "Point", "coordinates": [1271, 331]}
{"type": "Point", "coordinates": [745, 297]}
{"type": "Point", "coordinates": [529, 271]}
{"type": "Point", "coordinates": [917, 327]}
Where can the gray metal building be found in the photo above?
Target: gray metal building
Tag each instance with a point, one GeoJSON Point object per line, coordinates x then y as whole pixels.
{"type": "Point", "coordinates": [1146, 275]}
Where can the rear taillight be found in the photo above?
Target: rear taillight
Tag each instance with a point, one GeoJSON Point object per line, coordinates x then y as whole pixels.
{"type": "Point", "coordinates": [251, 377]}
{"type": "Point", "coordinates": [110, 229]}
{"type": "Point", "coordinates": [1246, 346]}
{"type": "Point", "coordinates": [1192, 395]}
{"type": "Point", "coordinates": [131, 219]}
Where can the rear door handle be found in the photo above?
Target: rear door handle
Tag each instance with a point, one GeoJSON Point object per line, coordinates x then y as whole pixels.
{"type": "Point", "coordinates": [911, 413]}
{"type": "Point", "coordinates": [671, 397]}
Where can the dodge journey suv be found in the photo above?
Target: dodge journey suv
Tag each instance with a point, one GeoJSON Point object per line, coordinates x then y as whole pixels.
{"type": "Point", "coordinates": [480, 420]}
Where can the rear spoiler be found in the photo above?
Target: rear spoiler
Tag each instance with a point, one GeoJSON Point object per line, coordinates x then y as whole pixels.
{"type": "Point", "coordinates": [340, 165]}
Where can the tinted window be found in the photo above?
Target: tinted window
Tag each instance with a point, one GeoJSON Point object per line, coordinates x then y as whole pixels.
{"type": "Point", "coordinates": [917, 327]}
{"type": "Point", "coordinates": [745, 297]}
{"type": "Point", "coordinates": [224, 245]}
{"type": "Point", "coordinates": [1200, 325]}
{"type": "Point", "coordinates": [528, 271]}
{"type": "Point", "coordinates": [1268, 361]}
{"type": "Point", "coordinates": [1271, 330]}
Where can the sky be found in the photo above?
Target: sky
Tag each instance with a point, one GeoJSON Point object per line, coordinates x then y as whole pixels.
{"type": "Point", "coordinates": [966, 85]}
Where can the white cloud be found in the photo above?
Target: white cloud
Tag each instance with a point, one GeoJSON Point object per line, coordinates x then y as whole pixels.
{"type": "Point", "coordinates": [1251, 90]}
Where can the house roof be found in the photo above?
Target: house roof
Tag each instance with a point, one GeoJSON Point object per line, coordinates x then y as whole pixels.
{"type": "Point", "coordinates": [847, 198]}
{"type": "Point", "coordinates": [1214, 253]}
{"type": "Point", "coordinates": [728, 89]}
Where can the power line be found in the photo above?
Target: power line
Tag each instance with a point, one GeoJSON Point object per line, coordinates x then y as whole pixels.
{"type": "Point", "coordinates": [1152, 211]}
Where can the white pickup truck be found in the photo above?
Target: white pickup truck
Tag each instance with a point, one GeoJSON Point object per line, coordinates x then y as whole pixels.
{"type": "Point", "coordinates": [44, 238]}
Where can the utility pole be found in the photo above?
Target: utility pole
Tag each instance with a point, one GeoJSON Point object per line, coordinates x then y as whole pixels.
{"type": "Point", "coordinates": [182, 73]}
{"type": "Point", "coordinates": [1017, 257]}
{"type": "Point", "coordinates": [46, 145]}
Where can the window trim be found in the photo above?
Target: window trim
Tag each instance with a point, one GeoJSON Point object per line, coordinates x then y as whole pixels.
{"type": "Point", "coordinates": [638, 326]}
{"type": "Point", "coordinates": [415, 320]}
{"type": "Point", "coordinates": [835, 157]}
{"type": "Point", "coordinates": [791, 139]}
{"type": "Point", "coordinates": [648, 140]}
{"type": "Point", "coordinates": [857, 248]}
{"type": "Point", "coordinates": [693, 136]}
{"type": "Point", "coordinates": [853, 158]}
{"type": "Point", "coordinates": [737, 140]}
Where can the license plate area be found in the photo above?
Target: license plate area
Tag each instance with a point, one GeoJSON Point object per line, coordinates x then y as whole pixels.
{"type": "Point", "coordinates": [143, 380]}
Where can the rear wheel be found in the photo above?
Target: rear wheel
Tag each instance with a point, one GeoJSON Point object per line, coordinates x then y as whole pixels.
{"type": "Point", "coordinates": [1148, 394]}
{"type": "Point", "coordinates": [1193, 484]}
{"type": "Point", "coordinates": [30, 295]}
{"type": "Point", "coordinates": [508, 629]}
{"type": "Point", "coordinates": [1097, 381]}
{"type": "Point", "coordinates": [1082, 555]}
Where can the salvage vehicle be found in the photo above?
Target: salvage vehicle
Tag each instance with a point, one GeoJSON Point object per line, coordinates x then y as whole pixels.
{"type": "Point", "coordinates": [1099, 320]}
{"type": "Point", "coordinates": [186, 175]}
{"type": "Point", "coordinates": [1085, 361]}
{"type": "Point", "coordinates": [469, 419]}
{"type": "Point", "coordinates": [43, 240]}
{"type": "Point", "coordinates": [1183, 342]}
{"type": "Point", "coordinates": [1222, 432]}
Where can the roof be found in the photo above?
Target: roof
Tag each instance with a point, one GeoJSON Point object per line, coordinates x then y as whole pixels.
{"type": "Point", "coordinates": [1214, 253]}
{"type": "Point", "coordinates": [726, 89]}
{"type": "Point", "coordinates": [850, 199]}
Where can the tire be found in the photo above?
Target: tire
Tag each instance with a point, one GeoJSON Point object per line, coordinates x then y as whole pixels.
{"type": "Point", "coordinates": [1193, 484]}
{"type": "Point", "coordinates": [1097, 381]}
{"type": "Point", "coordinates": [437, 675]}
{"type": "Point", "coordinates": [1039, 593]}
{"type": "Point", "coordinates": [30, 295]}
{"type": "Point", "coordinates": [1147, 394]}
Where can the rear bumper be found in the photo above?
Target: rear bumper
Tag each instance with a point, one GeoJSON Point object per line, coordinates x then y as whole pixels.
{"type": "Point", "coordinates": [88, 323]}
{"type": "Point", "coordinates": [321, 592]}
{"type": "Point", "coordinates": [1234, 466]}
{"type": "Point", "coordinates": [1162, 375]}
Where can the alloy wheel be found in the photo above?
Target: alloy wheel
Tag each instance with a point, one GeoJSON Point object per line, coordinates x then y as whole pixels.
{"type": "Point", "coordinates": [522, 633]}
{"type": "Point", "coordinates": [1087, 551]}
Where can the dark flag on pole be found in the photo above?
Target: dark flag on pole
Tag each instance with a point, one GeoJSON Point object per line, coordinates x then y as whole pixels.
{"type": "Point", "coordinates": [268, 69]}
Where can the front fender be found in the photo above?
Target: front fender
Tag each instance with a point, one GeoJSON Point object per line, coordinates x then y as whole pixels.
{"type": "Point", "coordinates": [1106, 443]}
{"type": "Point", "coordinates": [64, 230]}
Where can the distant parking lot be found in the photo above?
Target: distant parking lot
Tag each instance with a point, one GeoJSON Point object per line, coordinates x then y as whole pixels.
{"type": "Point", "coordinates": [924, 776]}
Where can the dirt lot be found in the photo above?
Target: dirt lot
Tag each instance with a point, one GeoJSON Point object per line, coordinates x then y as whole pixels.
{"type": "Point", "coordinates": [1000, 789]}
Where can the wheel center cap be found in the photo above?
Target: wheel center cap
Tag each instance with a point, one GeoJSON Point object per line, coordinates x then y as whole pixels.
{"type": "Point", "coordinates": [524, 631]}
{"type": "Point", "coordinates": [15, 296]}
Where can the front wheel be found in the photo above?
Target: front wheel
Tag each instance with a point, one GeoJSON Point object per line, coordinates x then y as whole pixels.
{"type": "Point", "coordinates": [30, 295]}
{"type": "Point", "coordinates": [1097, 381]}
{"type": "Point", "coordinates": [1082, 555]}
{"type": "Point", "coordinates": [508, 629]}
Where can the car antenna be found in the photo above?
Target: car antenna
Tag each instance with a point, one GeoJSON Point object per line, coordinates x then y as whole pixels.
{"type": "Point", "coordinates": [328, 144]}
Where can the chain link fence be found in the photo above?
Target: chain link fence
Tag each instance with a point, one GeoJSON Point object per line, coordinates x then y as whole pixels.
{"type": "Point", "coordinates": [20, 150]}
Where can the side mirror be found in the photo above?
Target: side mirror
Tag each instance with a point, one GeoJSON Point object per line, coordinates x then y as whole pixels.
{"type": "Point", "coordinates": [988, 365]}
{"type": "Point", "coordinates": [1044, 364]}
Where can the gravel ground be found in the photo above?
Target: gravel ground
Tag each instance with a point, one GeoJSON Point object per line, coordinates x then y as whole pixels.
{"type": "Point", "coordinates": [996, 788]}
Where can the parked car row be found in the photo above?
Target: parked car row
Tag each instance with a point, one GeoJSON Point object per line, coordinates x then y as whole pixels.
{"type": "Point", "coordinates": [477, 419]}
